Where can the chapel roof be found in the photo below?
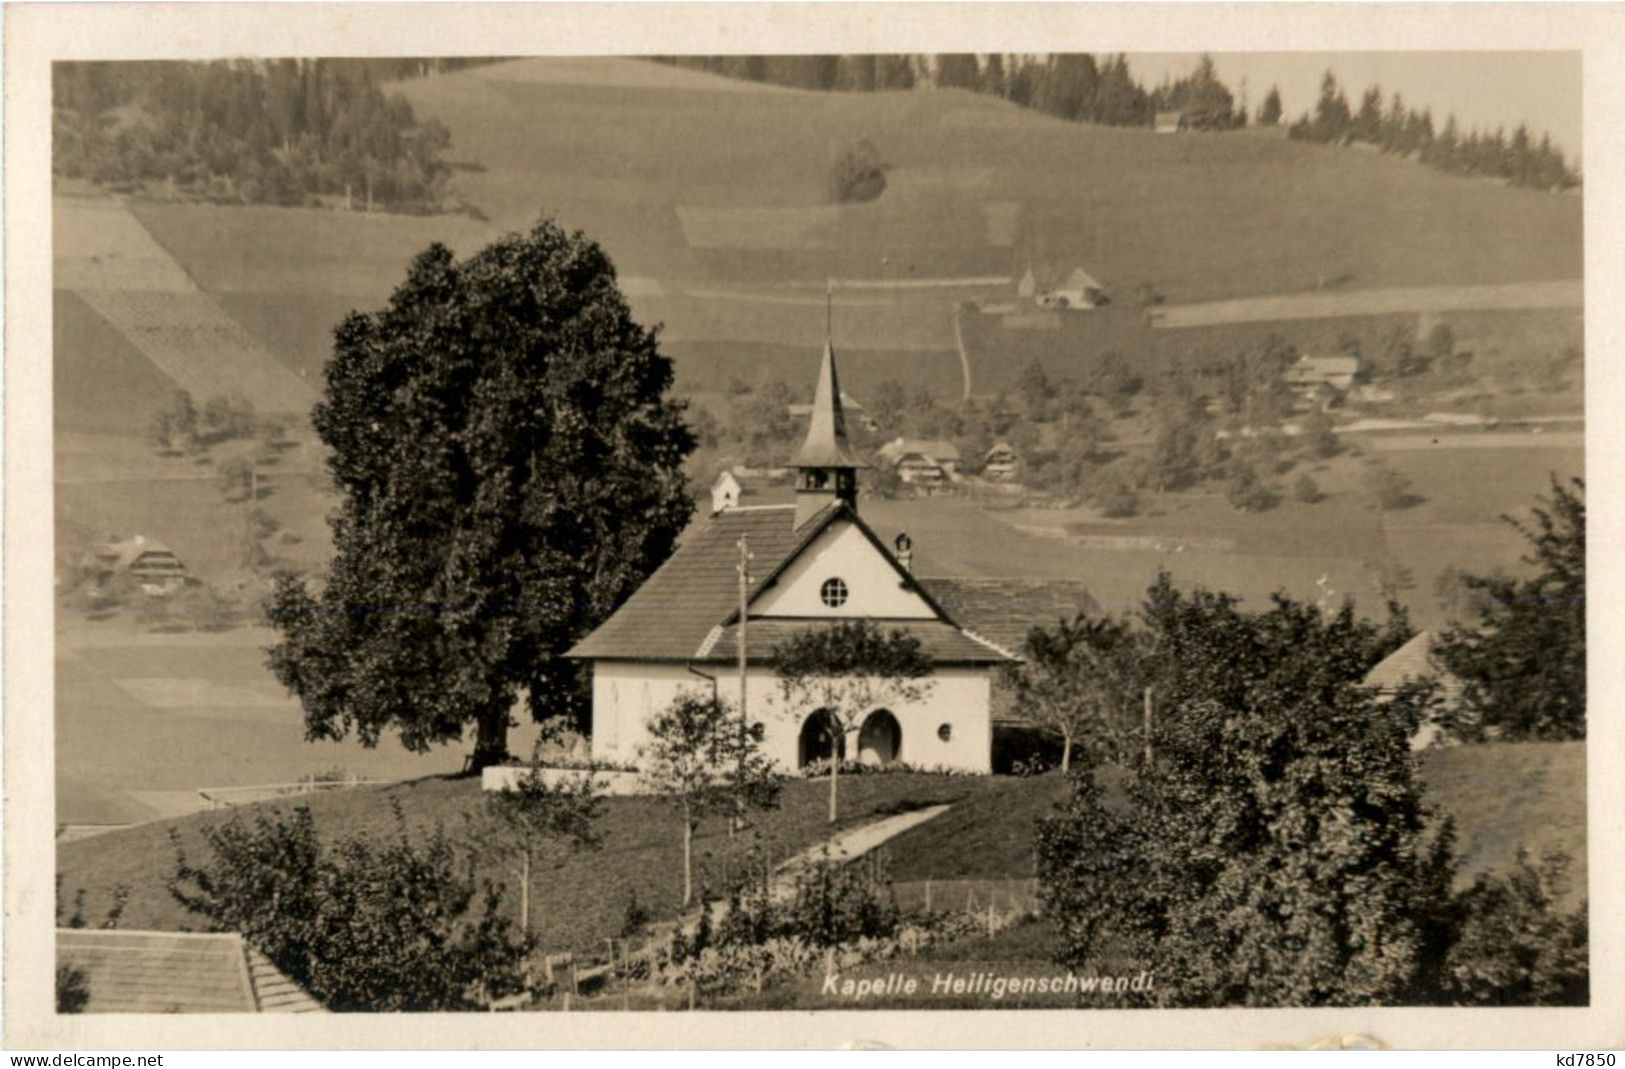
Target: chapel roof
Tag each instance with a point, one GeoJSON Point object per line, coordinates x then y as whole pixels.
{"type": "Point", "coordinates": [1002, 611]}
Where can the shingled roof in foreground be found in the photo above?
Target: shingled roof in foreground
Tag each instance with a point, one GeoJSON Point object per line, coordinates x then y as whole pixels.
{"type": "Point", "coordinates": [177, 972]}
{"type": "Point", "coordinates": [1002, 611]}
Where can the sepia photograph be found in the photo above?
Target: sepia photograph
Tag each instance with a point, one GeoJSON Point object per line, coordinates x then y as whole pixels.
{"type": "Point", "coordinates": [712, 531]}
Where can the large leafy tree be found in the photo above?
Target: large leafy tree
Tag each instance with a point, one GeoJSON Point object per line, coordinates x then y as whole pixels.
{"type": "Point", "coordinates": [510, 468]}
{"type": "Point", "coordinates": [1080, 682]}
{"type": "Point", "coordinates": [1523, 657]}
{"type": "Point", "coordinates": [1276, 852]}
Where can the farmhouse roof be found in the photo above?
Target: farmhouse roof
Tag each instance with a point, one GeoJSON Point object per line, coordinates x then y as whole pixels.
{"type": "Point", "coordinates": [931, 448]}
{"type": "Point", "coordinates": [1320, 368]}
{"type": "Point", "coordinates": [826, 445]}
{"type": "Point", "coordinates": [177, 972]}
{"type": "Point", "coordinates": [1002, 611]}
{"type": "Point", "coordinates": [998, 448]}
{"type": "Point", "coordinates": [124, 553]}
{"type": "Point", "coordinates": [1079, 279]}
{"type": "Point", "coordinates": [1414, 661]}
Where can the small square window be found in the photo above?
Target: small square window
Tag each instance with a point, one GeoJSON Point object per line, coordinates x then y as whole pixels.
{"type": "Point", "coordinates": [833, 592]}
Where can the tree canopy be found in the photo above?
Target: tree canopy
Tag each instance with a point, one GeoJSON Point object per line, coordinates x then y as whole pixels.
{"type": "Point", "coordinates": [1522, 655]}
{"type": "Point", "coordinates": [510, 469]}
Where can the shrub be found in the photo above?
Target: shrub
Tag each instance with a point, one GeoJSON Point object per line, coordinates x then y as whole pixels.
{"type": "Point", "coordinates": [858, 176]}
{"type": "Point", "coordinates": [1247, 492]}
{"type": "Point", "coordinates": [1306, 490]}
{"type": "Point", "coordinates": [72, 989]}
{"type": "Point", "coordinates": [1513, 946]}
{"type": "Point", "coordinates": [361, 925]}
{"type": "Point", "coordinates": [1391, 489]}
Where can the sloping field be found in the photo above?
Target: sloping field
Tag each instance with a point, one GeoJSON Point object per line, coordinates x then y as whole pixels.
{"type": "Point", "coordinates": [107, 259]}
{"type": "Point", "coordinates": [577, 900]}
{"type": "Point", "coordinates": [710, 196]}
{"type": "Point", "coordinates": [99, 380]}
{"type": "Point", "coordinates": [1501, 796]}
{"type": "Point", "coordinates": [1562, 293]}
{"type": "Point", "coordinates": [720, 182]}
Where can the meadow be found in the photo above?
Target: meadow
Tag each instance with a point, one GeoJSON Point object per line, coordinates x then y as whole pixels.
{"type": "Point", "coordinates": [579, 898]}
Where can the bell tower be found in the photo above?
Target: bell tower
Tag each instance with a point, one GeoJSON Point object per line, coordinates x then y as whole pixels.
{"type": "Point", "coordinates": [826, 466]}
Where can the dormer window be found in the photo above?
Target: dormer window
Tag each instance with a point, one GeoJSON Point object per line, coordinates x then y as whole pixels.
{"type": "Point", "coordinates": [834, 593]}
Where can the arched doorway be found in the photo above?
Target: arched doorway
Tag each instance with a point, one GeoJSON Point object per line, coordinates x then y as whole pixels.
{"type": "Point", "coordinates": [818, 732]}
{"type": "Point", "coordinates": [880, 739]}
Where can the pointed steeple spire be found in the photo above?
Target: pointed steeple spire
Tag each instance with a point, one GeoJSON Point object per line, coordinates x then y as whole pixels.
{"type": "Point", "coordinates": [827, 465]}
{"type": "Point", "coordinates": [826, 444]}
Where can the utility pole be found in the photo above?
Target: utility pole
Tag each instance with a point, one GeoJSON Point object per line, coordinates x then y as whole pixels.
{"type": "Point", "coordinates": [738, 822]}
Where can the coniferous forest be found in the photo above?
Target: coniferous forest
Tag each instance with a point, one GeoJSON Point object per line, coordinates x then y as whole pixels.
{"type": "Point", "coordinates": [287, 131]}
{"type": "Point", "coordinates": [1082, 88]}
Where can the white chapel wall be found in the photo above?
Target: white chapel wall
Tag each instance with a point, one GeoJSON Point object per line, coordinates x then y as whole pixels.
{"type": "Point", "coordinates": [627, 694]}
{"type": "Point", "coordinates": [874, 588]}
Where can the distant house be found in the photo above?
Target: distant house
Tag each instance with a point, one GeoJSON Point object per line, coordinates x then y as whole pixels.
{"type": "Point", "coordinates": [177, 972]}
{"type": "Point", "coordinates": [1001, 463]}
{"type": "Point", "coordinates": [1313, 372]}
{"type": "Point", "coordinates": [725, 492]}
{"type": "Point", "coordinates": [922, 461]}
{"type": "Point", "coordinates": [152, 564]}
{"type": "Point", "coordinates": [1170, 122]}
{"type": "Point", "coordinates": [1414, 662]}
{"type": "Point", "coordinates": [1079, 290]}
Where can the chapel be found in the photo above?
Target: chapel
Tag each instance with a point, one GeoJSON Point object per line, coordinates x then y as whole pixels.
{"type": "Point", "coordinates": [812, 562]}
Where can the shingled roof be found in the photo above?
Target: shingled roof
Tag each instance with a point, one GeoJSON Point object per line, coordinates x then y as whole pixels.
{"type": "Point", "coordinates": [1002, 611]}
{"type": "Point", "coordinates": [673, 612]}
{"type": "Point", "coordinates": [177, 972]}
{"type": "Point", "coordinates": [687, 609]}
{"type": "Point", "coordinates": [1414, 661]}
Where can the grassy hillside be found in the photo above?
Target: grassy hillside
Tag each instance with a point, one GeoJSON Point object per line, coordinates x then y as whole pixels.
{"type": "Point", "coordinates": [1501, 796]}
{"type": "Point", "coordinates": [710, 196]}
{"type": "Point", "coordinates": [577, 900]}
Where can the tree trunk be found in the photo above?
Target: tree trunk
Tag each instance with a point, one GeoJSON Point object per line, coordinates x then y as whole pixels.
{"type": "Point", "coordinates": [524, 895]}
{"type": "Point", "coordinates": [834, 773]}
{"type": "Point", "coordinates": [1066, 753]}
{"type": "Point", "coordinates": [491, 739]}
{"type": "Point", "coordinates": [688, 860]}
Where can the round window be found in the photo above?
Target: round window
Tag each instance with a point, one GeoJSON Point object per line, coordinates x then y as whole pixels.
{"type": "Point", "coordinates": [833, 592]}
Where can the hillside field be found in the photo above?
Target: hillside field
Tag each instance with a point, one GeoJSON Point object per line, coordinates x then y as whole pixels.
{"type": "Point", "coordinates": [1501, 796]}
{"type": "Point", "coordinates": [577, 899]}
{"type": "Point", "coordinates": [709, 195]}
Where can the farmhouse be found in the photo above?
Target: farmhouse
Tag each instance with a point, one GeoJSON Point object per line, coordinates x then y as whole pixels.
{"type": "Point", "coordinates": [1079, 290]}
{"type": "Point", "coordinates": [1001, 462]}
{"type": "Point", "coordinates": [922, 461]}
{"type": "Point", "coordinates": [809, 564]}
{"type": "Point", "coordinates": [1170, 122]}
{"type": "Point", "coordinates": [151, 564]}
{"type": "Point", "coordinates": [1413, 663]}
{"type": "Point", "coordinates": [1312, 373]}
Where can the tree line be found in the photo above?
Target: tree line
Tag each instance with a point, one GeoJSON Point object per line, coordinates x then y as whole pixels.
{"type": "Point", "coordinates": [284, 131]}
{"type": "Point", "coordinates": [1083, 88]}
{"type": "Point", "coordinates": [1394, 127]}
